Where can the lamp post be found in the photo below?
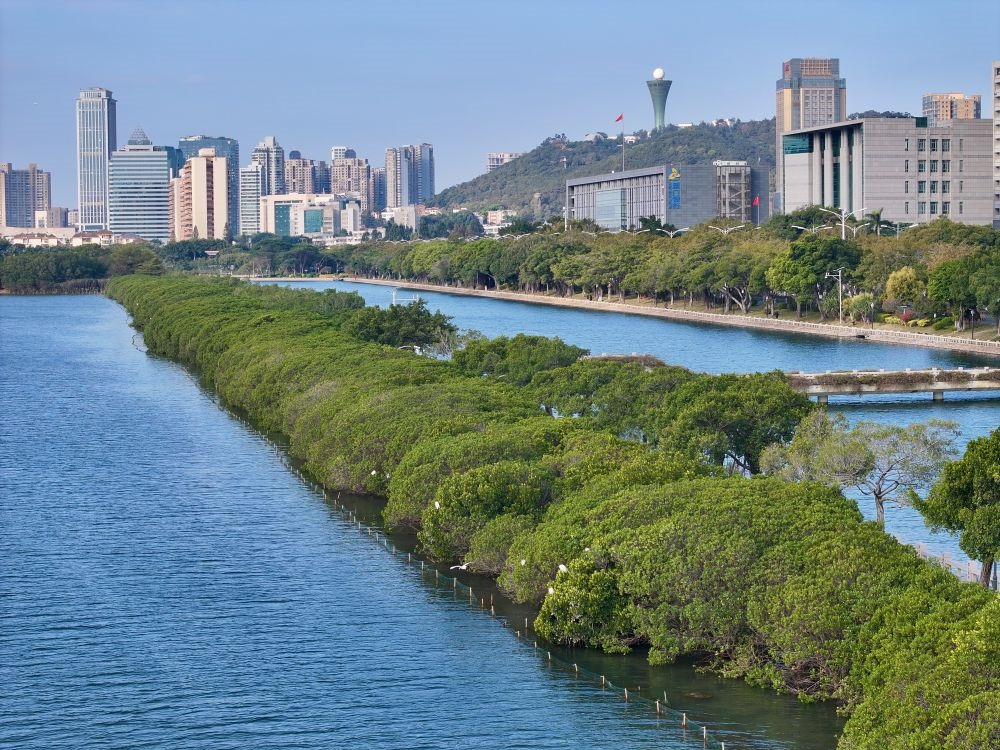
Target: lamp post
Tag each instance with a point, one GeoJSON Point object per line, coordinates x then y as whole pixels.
{"type": "Point", "coordinates": [855, 230]}
{"type": "Point", "coordinates": [726, 231]}
{"type": "Point", "coordinates": [675, 232]}
{"type": "Point", "coordinates": [872, 304]}
{"type": "Point", "coordinates": [812, 229]}
{"type": "Point", "coordinates": [839, 276]}
{"type": "Point", "coordinates": [842, 214]}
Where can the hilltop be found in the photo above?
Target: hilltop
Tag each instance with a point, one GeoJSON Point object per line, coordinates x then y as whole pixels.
{"type": "Point", "coordinates": [542, 169]}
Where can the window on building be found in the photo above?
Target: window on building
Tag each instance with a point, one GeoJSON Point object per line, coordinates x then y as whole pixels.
{"type": "Point", "coordinates": [961, 186]}
{"type": "Point", "coordinates": [934, 144]}
{"type": "Point", "coordinates": [946, 165]}
{"type": "Point", "coordinates": [933, 207]}
{"type": "Point", "coordinates": [961, 143]}
{"type": "Point", "coordinates": [921, 208]}
{"type": "Point", "coordinates": [946, 144]}
{"type": "Point", "coordinates": [921, 144]}
{"type": "Point", "coordinates": [934, 165]}
{"type": "Point", "coordinates": [934, 186]}
{"type": "Point", "coordinates": [906, 186]}
{"type": "Point", "coordinates": [921, 186]}
{"type": "Point", "coordinates": [906, 144]}
{"type": "Point", "coordinates": [945, 186]}
{"type": "Point", "coordinates": [960, 206]}
{"type": "Point", "coordinates": [945, 207]}
{"type": "Point", "coordinates": [906, 207]}
{"type": "Point", "coordinates": [921, 165]}
{"type": "Point", "coordinates": [961, 165]}
{"type": "Point", "coordinates": [906, 165]}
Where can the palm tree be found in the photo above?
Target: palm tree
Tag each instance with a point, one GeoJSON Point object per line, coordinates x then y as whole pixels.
{"type": "Point", "coordinates": [877, 222]}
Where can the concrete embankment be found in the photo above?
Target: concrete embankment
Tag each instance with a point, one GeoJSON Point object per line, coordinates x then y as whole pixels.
{"type": "Point", "coordinates": [905, 338]}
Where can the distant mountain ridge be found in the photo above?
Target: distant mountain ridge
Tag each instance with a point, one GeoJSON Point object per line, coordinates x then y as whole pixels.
{"type": "Point", "coordinates": [543, 171]}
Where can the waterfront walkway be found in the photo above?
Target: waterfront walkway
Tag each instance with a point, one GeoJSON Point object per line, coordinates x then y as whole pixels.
{"type": "Point", "coordinates": [935, 381]}
{"type": "Point", "coordinates": [906, 338]}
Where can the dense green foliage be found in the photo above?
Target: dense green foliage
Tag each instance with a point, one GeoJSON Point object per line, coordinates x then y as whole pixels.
{"type": "Point", "coordinates": [546, 168]}
{"type": "Point", "coordinates": [620, 544]}
{"type": "Point", "coordinates": [81, 269]}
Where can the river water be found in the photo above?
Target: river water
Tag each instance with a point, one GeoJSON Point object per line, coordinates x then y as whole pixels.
{"type": "Point", "coordinates": [718, 349]}
{"type": "Point", "coordinates": [169, 580]}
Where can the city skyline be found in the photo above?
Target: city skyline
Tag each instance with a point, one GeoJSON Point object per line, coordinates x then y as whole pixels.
{"type": "Point", "coordinates": [465, 98]}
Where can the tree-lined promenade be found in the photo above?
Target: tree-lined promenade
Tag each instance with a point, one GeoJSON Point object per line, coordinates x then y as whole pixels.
{"type": "Point", "coordinates": [625, 499]}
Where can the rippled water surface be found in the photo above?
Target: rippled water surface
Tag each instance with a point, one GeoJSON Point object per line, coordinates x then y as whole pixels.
{"type": "Point", "coordinates": [168, 581]}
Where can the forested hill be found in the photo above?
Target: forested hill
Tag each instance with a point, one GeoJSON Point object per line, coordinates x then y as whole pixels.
{"type": "Point", "coordinates": [542, 170]}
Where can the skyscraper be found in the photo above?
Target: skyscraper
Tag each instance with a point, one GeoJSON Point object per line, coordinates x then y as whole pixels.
{"type": "Point", "coordinates": [22, 192]}
{"type": "Point", "coordinates": [352, 175]}
{"type": "Point", "coordinates": [377, 189]}
{"type": "Point", "coordinates": [190, 145]}
{"type": "Point", "coordinates": [996, 144]}
{"type": "Point", "coordinates": [96, 138]}
{"type": "Point", "coordinates": [251, 189]}
{"type": "Point", "coordinates": [139, 188]}
{"type": "Point", "coordinates": [940, 108]}
{"type": "Point", "coordinates": [810, 92]}
{"type": "Point", "coordinates": [271, 156]}
{"type": "Point", "coordinates": [299, 174]}
{"type": "Point", "coordinates": [341, 152]}
{"type": "Point", "coordinates": [199, 198]}
{"type": "Point", "coordinates": [658, 90]}
{"type": "Point", "coordinates": [409, 175]}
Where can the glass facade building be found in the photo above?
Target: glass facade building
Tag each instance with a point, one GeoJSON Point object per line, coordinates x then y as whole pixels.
{"type": "Point", "coordinates": [96, 139]}
{"type": "Point", "coordinates": [139, 189]}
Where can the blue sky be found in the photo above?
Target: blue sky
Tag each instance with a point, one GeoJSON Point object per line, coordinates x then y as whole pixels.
{"type": "Point", "coordinates": [467, 76]}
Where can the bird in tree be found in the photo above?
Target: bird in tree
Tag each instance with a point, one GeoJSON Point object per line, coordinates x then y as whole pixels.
{"type": "Point", "coordinates": [966, 499]}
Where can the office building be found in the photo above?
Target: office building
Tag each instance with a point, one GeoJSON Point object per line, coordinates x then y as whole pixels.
{"type": "Point", "coordinates": [22, 193]}
{"type": "Point", "coordinates": [681, 194]}
{"type": "Point", "coordinates": [409, 175]}
{"type": "Point", "coordinates": [299, 174]}
{"type": "Point", "coordinates": [321, 177]}
{"type": "Point", "coordinates": [271, 156]}
{"type": "Point", "coordinates": [298, 214]}
{"type": "Point", "coordinates": [352, 175]}
{"type": "Point", "coordinates": [377, 189]}
{"type": "Point", "coordinates": [190, 145]}
{"type": "Point", "coordinates": [199, 198]}
{"type": "Point", "coordinates": [911, 172]}
{"type": "Point", "coordinates": [251, 190]}
{"type": "Point", "coordinates": [809, 93]}
{"type": "Point", "coordinates": [96, 139]}
{"type": "Point", "coordinates": [996, 144]}
{"type": "Point", "coordinates": [940, 108]}
{"type": "Point", "coordinates": [139, 175]}
{"type": "Point", "coordinates": [658, 90]}
{"type": "Point", "coordinates": [52, 218]}
{"type": "Point", "coordinates": [496, 159]}
{"type": "Point", "coordinates": [341, 152]}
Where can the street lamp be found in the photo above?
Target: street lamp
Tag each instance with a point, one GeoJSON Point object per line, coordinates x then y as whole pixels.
{"type": "Point", "coordinates": [855, 230]}
{"type": "Point", "coordinates": [872, 305]}
{"type": "Point", "coordinates": [842, 214]}
{"type": "Point", "coordinates": [839, 276]}
{"type": "Point", "coordinates": [675, 232]}
{"type": "Point", "coordinates": [812, 229]}
{"type": "Point", "coordinates": [726, 231]}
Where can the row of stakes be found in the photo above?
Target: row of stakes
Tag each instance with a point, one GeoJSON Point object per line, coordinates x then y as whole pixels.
{"type": "Point", "coordinates": [381, 538]}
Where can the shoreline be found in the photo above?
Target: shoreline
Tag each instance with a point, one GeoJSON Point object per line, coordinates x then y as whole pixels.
{"type": "Point", "coordinates": [904, 338]}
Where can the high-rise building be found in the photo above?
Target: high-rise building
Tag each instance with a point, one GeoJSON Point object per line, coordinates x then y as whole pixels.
{"type": "Point", "coordinates": [940, 108]}
{"type": "Point", "coordinates": [809, 93]}
{"type": "Point", "coordinates": [377, 189]}
{"type": "Point", "coordinates": [139, 176]}
{"type": "Point", "coordinates": [341, 152]}
{"type": "Point", "coordinates": [190, 145]}
{"type": "Point", "coordinates": [22, 193]}
{"type": "Point", "coordinates": [52, 218]}
{"type": "Point", "coordinates": [352, 175]}
{"type": "Point", "coordinates": [409, 175]}
{"type": "Point", "coordinates": [496, 159]}
{"type": "Point", "coordinates": [251, 190]}
{"type": "Point", "coordinates": [96, 138]}
{"type": "Point", "coordinates": [658, 90]}
{"type": "Point", "coordinates": [299, 174]}
{"type": "Point", "coordinates": [996, 144]}
{"type": "Point", "coordinates": [321, 177]}
{"type": "Point", "coordinates": [199, 198]}
{"type": "Point", "coordinates": [270, 155]}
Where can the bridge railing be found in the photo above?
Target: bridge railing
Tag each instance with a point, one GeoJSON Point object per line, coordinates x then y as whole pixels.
{"type": "Point", "coordinates": [965, 570]}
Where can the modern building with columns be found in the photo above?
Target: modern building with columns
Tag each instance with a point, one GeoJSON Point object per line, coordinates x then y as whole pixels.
{"type": "Point", "coordinates": [911, 172]}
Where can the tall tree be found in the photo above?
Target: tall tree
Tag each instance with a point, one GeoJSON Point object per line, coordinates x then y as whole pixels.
{"type": "Point", "coordinates": [967, 500]}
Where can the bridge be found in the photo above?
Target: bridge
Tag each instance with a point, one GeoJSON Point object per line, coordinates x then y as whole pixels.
{"type": "Point", "coordinates": [935, 381]}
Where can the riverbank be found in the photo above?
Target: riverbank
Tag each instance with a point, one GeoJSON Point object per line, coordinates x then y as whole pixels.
{"type": "Point", "coordinates": [827, 330]}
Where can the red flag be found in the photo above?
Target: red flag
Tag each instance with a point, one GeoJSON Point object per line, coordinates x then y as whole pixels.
{"type": "Point", "coordinates": [620, 117]}
{"type": "Point", "coordinates": [756, 200]}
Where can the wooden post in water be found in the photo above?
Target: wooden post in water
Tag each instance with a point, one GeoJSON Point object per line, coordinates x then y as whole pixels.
{"type": "Point", "coordinates": [704, 735]}
{"type": "Point", "coordinates": [684, 721]}
{"type": "Point", "coordinates": [626, 695]}
{"type": "Point", "coordinates": [657, 706]}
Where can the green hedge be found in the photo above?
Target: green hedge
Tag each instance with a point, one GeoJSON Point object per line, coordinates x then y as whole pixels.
{"type": "Point", "coordinates": [782, 584]}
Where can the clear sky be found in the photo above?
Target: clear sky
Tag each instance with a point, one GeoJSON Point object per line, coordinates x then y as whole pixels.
{"type": "Point", "coordinates": [464, 75]}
